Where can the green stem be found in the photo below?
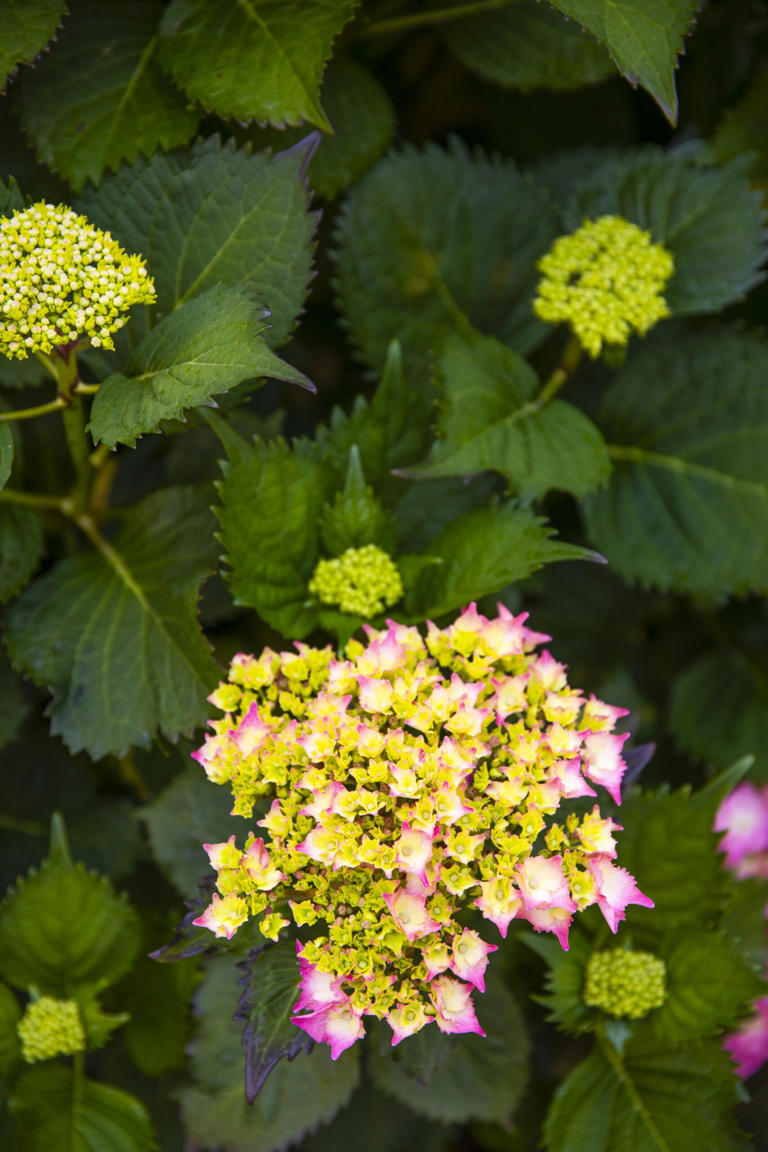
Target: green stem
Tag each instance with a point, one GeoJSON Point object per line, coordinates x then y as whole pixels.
{"type": "Point", "coordinates": [27, 827]}
{"type": "Point", "coordinates": [34, 500]}
{"type": "Point", "coordinates": [48, 364]}
{"type": "Point", "coordinates": [87, 525]}
{"type": "Point", "coordinates": [74, 425]}
{"type": "Point", "coordinates": [38, 410]}
{"type": "Point", "coordinates": [78, 1081]}
{"type": "Point", "coordinates": [131, 774]}
{"type": "Point", "coordinates": [435, 16]}
{"type": "Point", "coordinates": [569, 362]}
{"type": "Point", "coordinates": [86, 389]}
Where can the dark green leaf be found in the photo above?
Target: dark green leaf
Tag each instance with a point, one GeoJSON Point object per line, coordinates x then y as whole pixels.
{"type": "Point", "coordinates": [490, 419]}
{"type": "Point", "coordinates": [687, 504]}
{"type": "Point", "coordinates": [6, 453]}
{"type": "Point", "coordinates": [298, 1096]}
{"type": "Point", "coordinates": [54, 1114]}
{"type": "Point", "coordinates": [256, 61]}
{"type": "Point", "coordinates": [719, 709]}
{"type": "Point", "coordinates": [10, 1048]}
{"type": "Point", "coordinates": [63, 926]}
{"type": "Point", "coordinates": [97, 1024]}
{"type": "Point", "coordinates": [355, 516]}
{"type": "Point", "coordinates": [11, 199]}
{"type": "Point", "coordinates": [205, 347]}
{"type": "Point", "coordinates": [648, 1100]}
{"type": "Point", "coordinates": [14, 705]}
{"type": "Point", "coordinates": [428, 236]}
{"type": "Point", "coordinates": [480, 1078]}
{"type": "Point", "coordinates": [271, 498]}
{"type": "Point", "coordinates": [482, 552]}
{"type": "Point", "coordinates": [688, 208]}
{"type": "Point", "coordinates": [189, 812]}
{"type": "Point", "coordinates": [528, 47]}
{"type": "Point", "coordinates": [21, 547]}
{"type": "Point", "coordinates": [371, 1121]}
{"type": "Point", "coordinates": [215, 216]}
{"type": "Point", "coordinates": [744, 130]}
{"type": "Point", "coordinates": [114, 635]}
{"type": "Point", "coordinates": [271, 986]}
{"type": "Point", "coordinates": [564, 981]}
{"type": "Point", "coordinates": [27, 26]}
{"type": "Point", "coordinates": [122, 103]}
{"type": "Point", "coordinates": [644, 39]}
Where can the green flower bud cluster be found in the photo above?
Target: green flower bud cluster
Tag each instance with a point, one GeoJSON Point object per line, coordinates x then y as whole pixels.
{"type": "Point", "coordinates": [623, 983]}
{"type": "Point", "coordinates": [50, 1028]}
{"type": "Point", "coordinates": [62, 280]}
{"type": "Point", "coordinates": [605, 280]}
{"type": "Point", "coordinates": [362, 581]}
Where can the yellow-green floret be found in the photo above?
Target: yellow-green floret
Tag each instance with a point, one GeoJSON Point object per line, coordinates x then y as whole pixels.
{"type": "Point", "coordinates": [624, 983]}
{"type": "Point", "coordinates": [605, 280]}
{"type": "Point", "coordinates": [63, 280]}
{"type": "Point", "coordinates": [362, 581]}
{"type": "Point", "coordinates": [50, 1028]}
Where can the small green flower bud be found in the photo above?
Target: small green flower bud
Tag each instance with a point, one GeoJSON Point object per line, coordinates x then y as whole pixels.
{"type": "Point", "coordinates": [49, 1028]}
{"type": "Point", "coordinates": [623, 983]}
{"type": "Point", "coordinates": [362, 581]}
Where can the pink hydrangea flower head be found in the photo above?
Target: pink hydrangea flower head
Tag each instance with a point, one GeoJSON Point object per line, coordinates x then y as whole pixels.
{"type": "Point", "coordinates": [748, 1045]}
{"type": "Point", "coordinates": [337, 1025]}
{"type": "Point", "coordinates": [469, 958]}
{"type": "Point", "coordinates": [615, 890]}
{"type": "Point", "coordinates": [454, 1009]}
{"type": "Point", "coordinates": [743, 817]}
{"type": "Point", "coordinates": [603, 763]}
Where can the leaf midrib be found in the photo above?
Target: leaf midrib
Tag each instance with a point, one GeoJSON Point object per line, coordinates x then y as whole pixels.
{"type": "Point", "coordinates": [684, 467]}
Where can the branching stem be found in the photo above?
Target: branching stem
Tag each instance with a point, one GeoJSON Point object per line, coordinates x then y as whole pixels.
{"type": "Point", "coordinates": [38, 410]}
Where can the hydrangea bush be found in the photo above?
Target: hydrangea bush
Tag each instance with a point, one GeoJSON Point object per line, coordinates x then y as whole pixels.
{"type": "Point", "coordinates": [335, 340]}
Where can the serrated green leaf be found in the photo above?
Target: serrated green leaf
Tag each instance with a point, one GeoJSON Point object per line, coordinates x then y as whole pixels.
{"type": "Point", "coordinates": [686, 507]}
{"type": "Point", "coordinates": [370, 1119]}
{"type": "Point", "coordinates": [260, 60]}
{"type": "Point", "coordinates": [10, 1048]}
{"type": "Point", "coordinates": [114, 636]}
{"type": "Point", "coordinates": [21, 547]}
{"type": "Point", "coordinates": [669, 847]}
{"type": "Point", "coordinates": [14, 705]}
{"type": "Point", "coordinates": [271, 989]}
{"type": "Point", "coordinates": [481, 1078]}
{"type": "Point", "coordinates": [563, 995]}
{"type": "Point", "coordinates": [11, 199]}
{"type": "Point", "coordinates": [645, 39]}
{"type": "Point", "coordinates": [54, 1113]}
{"type": "Point", "coordinates": [27, 27]}
{"type": "Point", "coordinates": [744, 130]}
{"type": "Point", "coordinates": [490, 419]}
{"type": "Point", "coordinates": [63, 926]}
{"type": "Point", "coordinates": [709, 988]}
{"type": "Point", "coordinates": [6, 453]}
{"type": "Point", "coordinates": [719, 709]}
{"type": "Point", "coordinates": [648, 1100]}
{"type": "Point", "coordinates": [189, 812]}
{"type": "Point", "coordinates": [203, 348]}
{"type": "Point", "coordinates": [122, 104]}
{"type": "Point", "coordinates": [271, 498]}
{"type": "Point", "coordinates": [298, 1096]}
{"type": "Point", "coordinates": [688, 207]}
{"type": "Point", "coordinates": [98, 1025]}
{"type": "Point", "coordinates": [215, 215]}
{"type": "Point", "coordinates": [528, 47]}
{"type": "Point", "coordinates": [428, 236]}
{"type": "Point", "coordinates": [157, 997]}
{"type": "Point", "coordinates": [356, 516]}
{"type": "Point", "coordinates": [481, 552]}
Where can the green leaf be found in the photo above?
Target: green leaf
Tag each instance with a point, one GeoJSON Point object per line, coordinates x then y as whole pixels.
{"type": "Point", "coordinates": [355, 516]}
{"type": "Point", "coordinates": [63, 926]}
{"type": "Point", "coordinates": [644, 39]}
{"type": "Point", "coordinates": [648, 1100]}
{"type": "Point", "coordinates": [122, 103]}
{"type": "Point", "coordinates": [719, 709]}
{"type": "Point", "coordinates": [428, 236]}
{"type": "Point", "coordinates": [563, 994]}
{"type": "Point", "coordinates": [688, 207]}
{"type": "Point", "coordinates": [54, 1113]}
{"type": "Point", "coordinates": [271, 499]}
{"type": "Point", "coordinates": [482, 552]}
{"type": "Point", "coordinates": [11, 199]}
{"type": "Point", "coordinates": [215, 215]}
{"type": "Point", "coordinates": [10, 1048]}
{"type": "Point", "coordinates": [480, 1078]}
{"type": "Point", "coordinates": [257, 61]}
{"type": "Point", "coordinates": [271, 986]}
{"type": "Point", "coordinates": [298, 1095]}
{"type": "Point", "coordinates": [490, 419]}
{"type": "Point", "coordinates": [205, 347]}
{"type": "Point", "coordinates": [528, 47]}
{"type": "Point", "coordinates": [97, 1024]}
{"type": "Point", "coordinates": [744, 130]}
{"type": "Point", "coordinates": [686, 508]}
{"type": "Point", "coordinates": [189, 812]}
{"type": "Point", "coordinates": [370, 1121]}
{"type": "Point", "coordinates": [114, 635]}
{"type": "Point", "coordinates": [6, 453]}
{"type": "Point", "coordinates": [27, 27]}
{"type": "Point", "coordinates": [157, 997]}
{"type": "Point", "coordinates": [709, 988]}
{"type": "Point", "coordinates": [21, 535]}
{"type": "Point", "coordinates": [669, 847]}
{"type": "Point", "coordinates": [14, 705]}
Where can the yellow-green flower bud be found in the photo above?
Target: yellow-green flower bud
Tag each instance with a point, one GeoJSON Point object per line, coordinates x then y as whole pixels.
{"type": "Point", "coordinates": [62, 280]}
{"type": "Point", "coordinates": [605, 280]}
{"type": "Point", "coordinates": [362, 581]}
{"type": "Point", "coordinates": [49, 1028]}
{"type": "Point", "coordinates": [623, 983]}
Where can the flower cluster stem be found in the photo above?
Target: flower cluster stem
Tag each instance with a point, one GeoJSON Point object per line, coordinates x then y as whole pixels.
{"type": "Point", "coordinates": [38, 410]}
{"type": "Point", "coordinates": [434, 16]}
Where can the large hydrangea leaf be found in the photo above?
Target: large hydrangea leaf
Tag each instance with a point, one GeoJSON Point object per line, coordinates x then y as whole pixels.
{"type": "Point", "coordinates": [113, 634]}
{"type": "Point", "coordinates": [686, 507]}
{"type": "Point", "coordinates": [122, 103]}
{"type": "Point", "coordinates": [257, 60]}
{"type": "Point", "coordinates": [27, 26]}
